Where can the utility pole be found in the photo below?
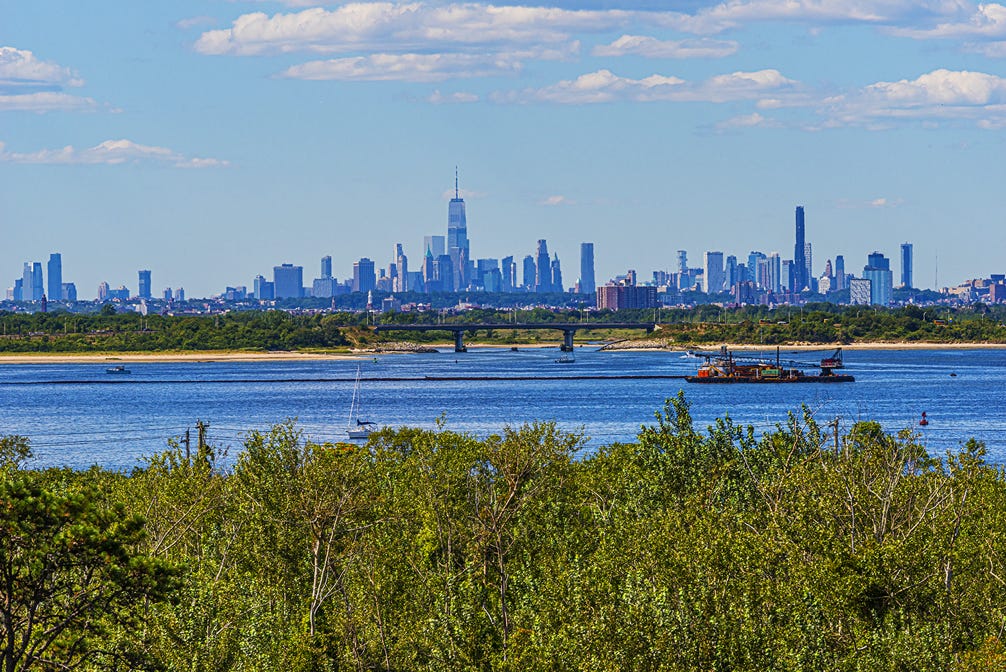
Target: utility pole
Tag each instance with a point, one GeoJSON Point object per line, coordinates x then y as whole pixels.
{"type": "Point", "coordinates": [188, 451]}
{"type": "Point", "coordinates": [834, 425]}
{"type": "Point", "coordinates": [201, 427]}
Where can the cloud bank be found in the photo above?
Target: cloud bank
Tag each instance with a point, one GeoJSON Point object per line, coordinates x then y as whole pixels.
{"type": "Point", "coordinates": [29, 84]}
{"type": "Point", "coordinates": [110, 152]}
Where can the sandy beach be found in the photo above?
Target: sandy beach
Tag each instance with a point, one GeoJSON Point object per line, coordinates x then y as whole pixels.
{"type": "Point", "coordinates": [809, 346]}
{"type": "Point", "coordinates": [137, 357]}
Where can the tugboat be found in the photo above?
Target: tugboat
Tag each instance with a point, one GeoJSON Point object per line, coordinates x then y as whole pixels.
{"type": "Point", "coordinates": [723, 367]}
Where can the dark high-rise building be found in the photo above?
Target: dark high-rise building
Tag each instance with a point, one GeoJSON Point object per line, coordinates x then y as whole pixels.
{"type": "Point", "coordinates": [508, 274]}
{"type": "Point", "coordinates": [619, 297]}
{"type": "Point", "coordinates": [144, 291]}
{"type": "Point", "coordinates": [530, 271]}
{"type": "Point", "coordinates": [755, 260]}
{"type": "Point", "coordinates": [556, 275]}
{"type": "Point", "coordinates": [435, 244]}
{"type": "Point", "coordinates": [457, 234]}
{"type": "Point", "coordinates": [37, 281]}
{"type": "Point", "coordinates": [326, 267]}
{"type": "Point", "coordinates": [800, 279]}
{"type": "Point", "coordinates": [429, 272]}
{"type": "Point", "coordinates": [878, 272]}
{"type": "Point", "coordinates": [27, 283]}
{"type": "Point", "coordinates": [712, 276]}
{"type": "Point", "coordinates": [878, 260]}
{"type": "Point", "coordinates": [364, 279]}
{"type": "Point", "coordinates": [840, 282]}
{"type": "Point", "coordinates": [587, 283]}
{"type": "Point", "coordinates": [262, 289]}
{"type": "Point", "coordinates": [54, 269]}
{"type": "Point", "coordinates": [786, 276]}
{"type": "Point", "coordinates": [906, 265]}
{"type": "Point", "coordinates": [288, 281]}
{"type": "Point", "coordinates": [543, 269]}
{"type": "Point", "coordinates": [399, 270]}
{"type": "Point", "coordinates": [444, 269]}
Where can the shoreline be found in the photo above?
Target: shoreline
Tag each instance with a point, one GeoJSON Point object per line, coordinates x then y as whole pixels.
{"type": "Point", "coordinates": [874, 345]}
{"type": "Point", "coordinates": [159, 357]}
{"type": "Point", "coordinates": [211, 356]}
{"type": "Point", "coordinates": [232, 356]}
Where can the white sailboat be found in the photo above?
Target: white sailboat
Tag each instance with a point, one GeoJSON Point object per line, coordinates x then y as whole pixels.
{"type": "Point", "coordinates": [357, 428]}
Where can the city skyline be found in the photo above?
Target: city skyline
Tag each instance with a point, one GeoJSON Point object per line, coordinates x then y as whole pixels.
{"type": "Point", "coordinates": [781, 279]}
{"type": "Point", "coordinates": [200, 139]}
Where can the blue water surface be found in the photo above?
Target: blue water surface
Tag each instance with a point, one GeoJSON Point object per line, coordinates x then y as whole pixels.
{"type": "Point", "coordinates": [78, 415]}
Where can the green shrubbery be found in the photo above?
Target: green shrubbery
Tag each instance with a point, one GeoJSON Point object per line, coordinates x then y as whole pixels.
{"type": "Point", "coordinates": [687, 550]}
{"type": "Point", "coordinates": [278, 330]}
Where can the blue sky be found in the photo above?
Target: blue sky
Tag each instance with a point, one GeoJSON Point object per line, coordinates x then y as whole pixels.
{"type": "Point", "coordinates": [209, 141]}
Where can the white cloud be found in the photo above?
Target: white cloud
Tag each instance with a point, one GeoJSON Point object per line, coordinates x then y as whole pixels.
{"type": "Point", "coordinates": [881, 202]}
{"type": "Point", "coordinates": [995, 49]}
{"type": "Point", "coordinates": [651, 47]}
{"type": "Point", "coordinates": [556, 200]}
{"type": "Point", "coordinates": [875, 203]}
{"type": "Point", "coordinates": [28, 84]}
{"type": "Point", "coordinates": [46, 101]}
{"type": "Point", "coordinates": [987, 20]}
{"type": "Point", "coordinates": [404, 67]}
{"type": "Point", "coordinates": [438, 98]}
{"type": "Point", "coordinates": [935, 96]}
{"type": "Point", "coordinates": [736, 13]}
{"type": "Point", "coordinates": [423, 67]}
{"type": "Point", "coordinates": [604, 86]}
{"type": "Point", "coordinates": [754, 120]}
{"type": "Point", "coordinates": [386, 26]}
{"type": "Point", "coordinates": [20, 69]}
{"type": "Point", "coordinates": [109, 152]}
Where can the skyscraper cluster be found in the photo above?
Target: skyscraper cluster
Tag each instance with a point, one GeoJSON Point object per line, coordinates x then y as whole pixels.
{"type": "Point", "coordinates": [768, 278]}
{"type": "Point", "coordinates": [33, 286]}
{"type": "Point", "coordinates": [446, 265]}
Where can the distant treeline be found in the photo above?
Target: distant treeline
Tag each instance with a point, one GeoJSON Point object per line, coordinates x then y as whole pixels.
{"type": "Point", "coordinates": [809, 548]}
{"type": "Point", "coordinates": [280, 330]}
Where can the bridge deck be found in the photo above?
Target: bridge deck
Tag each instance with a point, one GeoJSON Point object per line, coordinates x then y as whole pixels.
{"type": "Point", "coordinates": [558, 326]}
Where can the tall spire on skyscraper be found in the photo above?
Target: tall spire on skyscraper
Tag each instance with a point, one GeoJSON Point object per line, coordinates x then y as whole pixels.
{"type": "Point", "coordinates": [457, 235]}
{"type": "Point", "coordinates": [801, 278]}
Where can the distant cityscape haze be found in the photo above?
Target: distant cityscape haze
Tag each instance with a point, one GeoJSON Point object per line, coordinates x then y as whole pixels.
{"type": "Point", "coordinates": [445, 265]}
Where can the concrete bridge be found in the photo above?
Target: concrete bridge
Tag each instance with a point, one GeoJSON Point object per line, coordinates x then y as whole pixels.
{"type": "Point", "coordinates": [568, 329]}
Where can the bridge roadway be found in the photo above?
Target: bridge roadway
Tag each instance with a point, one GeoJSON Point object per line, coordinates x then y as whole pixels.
{"type": "Point", "coordinates": [567, 329]}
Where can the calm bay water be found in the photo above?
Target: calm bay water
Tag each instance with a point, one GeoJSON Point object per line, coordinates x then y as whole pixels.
{"type": "Point", "coordinates": [78, 415]}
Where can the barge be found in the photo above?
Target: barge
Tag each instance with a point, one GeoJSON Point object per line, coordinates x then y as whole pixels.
{"type": "Point", "coordinates": [724, 367]}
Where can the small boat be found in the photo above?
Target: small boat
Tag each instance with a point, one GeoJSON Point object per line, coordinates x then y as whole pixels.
{"type": "Point", "coordinates": [117, 369]}
{"type": "Point", "coordinates": [566, 359]}
{"type": "Point", "coordinates": [357, 428]}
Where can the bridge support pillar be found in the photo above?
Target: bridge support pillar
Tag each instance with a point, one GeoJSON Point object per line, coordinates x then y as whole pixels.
{"type": "Point", "coordinates": [567, 340]}
{"type": "Point", "coordinates": [459, 341]}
